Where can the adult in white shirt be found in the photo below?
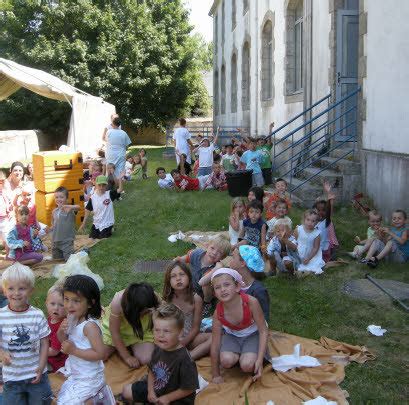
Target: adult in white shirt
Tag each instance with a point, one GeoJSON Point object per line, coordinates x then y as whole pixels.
{"type": "Point", "coordinates": [117, 142]}
{"type": "Point", "coordinates": [181, 138]}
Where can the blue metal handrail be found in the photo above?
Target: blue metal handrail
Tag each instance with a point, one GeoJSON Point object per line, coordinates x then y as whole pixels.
{"type": "Point", "coordinates": [299, 115]}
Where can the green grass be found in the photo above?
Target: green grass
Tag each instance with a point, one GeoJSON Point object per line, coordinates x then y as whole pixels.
{"type": "Point", "coordinates": [311, 307]}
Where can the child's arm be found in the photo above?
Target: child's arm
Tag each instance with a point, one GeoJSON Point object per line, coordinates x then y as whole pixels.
{"type": "Point", "coordinates": [68, 208]}
{"type": "Point", "coordinates": [401, 240]}
{"type": "Point", "coordinates": [263, 238]}
{"type": "Point", "coordinates": [242, 232]}
{"type": "Point", "coordinates": [260, 321]}
{"type": "Point", "coordinates": [215, 350]}
{"type": "Point", "coordinates": [330, 200]}
{"type": "Point", "coordinates": [44, 343]}
{"type": "Point", "coordinates": [290, 245]}
{"type": "Point", "coordinates": [183, 259]}
{"type": "Point", "coordinates": [94, 335]}
{"type": "Point", "coordinates": [197, 319]}
{"type": "Point", "coordinates": [314, 250]}
{"type": "Point", "coordinates": [5, 357]}
{"type": "Point", "coordinates": [234, 221]}
{"type": "Point", "coordinates": [216, 137]}
{"type": "Point", "coordinates": [86, 215]}
{"type": "Point", "coordinates": [206, 279]}
{"type": "Point", "coordinates": [151, 392]}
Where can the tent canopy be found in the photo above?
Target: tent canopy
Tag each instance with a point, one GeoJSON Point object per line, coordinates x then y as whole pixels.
{"type": "Point", "coordinates": [89, 114]}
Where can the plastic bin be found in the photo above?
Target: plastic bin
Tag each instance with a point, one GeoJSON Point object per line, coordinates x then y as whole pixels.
{"type": "Point", "coordinates": [239, 182]}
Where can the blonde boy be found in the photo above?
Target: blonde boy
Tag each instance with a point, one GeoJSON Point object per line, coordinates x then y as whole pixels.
{"type": "Point", "coordinates": [23, 341]}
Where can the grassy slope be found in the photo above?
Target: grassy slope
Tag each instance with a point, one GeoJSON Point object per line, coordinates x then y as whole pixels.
{"type": "Point", "coordinates": [310, 307]}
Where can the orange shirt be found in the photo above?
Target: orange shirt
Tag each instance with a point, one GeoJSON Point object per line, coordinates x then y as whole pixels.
{"type": "Point", "coordinates": [269, 206]}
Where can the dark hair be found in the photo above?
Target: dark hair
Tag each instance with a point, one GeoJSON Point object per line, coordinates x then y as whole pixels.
{"type": "Point", "coordinates": [258, 192]}
{"type": "Point", "coordinates": [62, 190]}
{"type": "Point", "coordinates": [116, 121]}
{"type": "Point", "coordinates": [216, 158]}
{"type": "Point", "coordinates": [229, 145]}
{"type": "Point", "coordinates": [136, 298]}
{"type": "Point", "coordinates": [182, 121]}
{"type": "Point", "coordinates": [375, 213]}
{"type": "Point", "coordinates": [319, 202]}
{"type": "Point", "coordinates": [170, 311]}
{"type": "Point", "coordinates": [22, 209]}
{"type": "Point", "coordinates": [401, 212]}
{"type": "Point", "coordinates": [172, 172]}
{"type": "Point", "coordinates": [142, 149]}
{"type": "Point", "coordinates": [87, 288]}
{"type": "Point", "coordinates": [280, 179]}
{"type": "Point", "coordinates": [168, 292]}
{"type": "Point", "coordinates": [14, 164]}
{"type": "Point", "coordinates": [159, 169]}
{"type": "Point", "coordinates": [255, 204]}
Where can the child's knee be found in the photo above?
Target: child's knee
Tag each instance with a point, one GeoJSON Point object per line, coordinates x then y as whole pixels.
{"type": "Point", "coordinates": [127, 392]}
{"type": "Point", "coordinates": [227, 360]}
{"type": "Point", "coordinates": [247, 365]}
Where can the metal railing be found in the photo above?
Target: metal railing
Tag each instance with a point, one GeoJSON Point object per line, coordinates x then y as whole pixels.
{"type": "Point", "coordinates": [337, 130]}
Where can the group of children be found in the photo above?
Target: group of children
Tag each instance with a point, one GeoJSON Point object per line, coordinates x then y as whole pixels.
{"type": "Point", "coordinates": [165, 332]}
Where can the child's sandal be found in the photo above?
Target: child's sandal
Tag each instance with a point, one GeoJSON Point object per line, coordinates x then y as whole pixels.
{"type": "Point", "coordinates": [373, 263]}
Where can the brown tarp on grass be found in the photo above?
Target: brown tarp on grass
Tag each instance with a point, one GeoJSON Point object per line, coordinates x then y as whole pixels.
{"type": "Point", "coordinates": [288, 388]}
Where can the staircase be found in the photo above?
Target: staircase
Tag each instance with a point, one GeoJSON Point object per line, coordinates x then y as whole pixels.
{"type": "Point", "coordinates": [306, 161]}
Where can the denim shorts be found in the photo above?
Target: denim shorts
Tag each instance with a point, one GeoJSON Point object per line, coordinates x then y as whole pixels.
{"type": "Point", "coordinates": [26, 393]}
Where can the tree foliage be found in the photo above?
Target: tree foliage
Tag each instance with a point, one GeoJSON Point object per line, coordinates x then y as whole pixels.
{"type": "Point", "coordinates": [138, 55]}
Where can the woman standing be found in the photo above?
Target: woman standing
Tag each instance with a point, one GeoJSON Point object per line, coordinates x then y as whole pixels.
{"type": "Point", "coordinates": [117, 141]}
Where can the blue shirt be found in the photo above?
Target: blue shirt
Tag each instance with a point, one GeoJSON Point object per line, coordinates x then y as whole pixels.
{"type": "Point", "coordinates": [252, 232]}
{"type": "Point", "coordinates": [252, 159]}
{"type": "Point", "coordinates": [405, 247]}
{"type": "Point", "coordinates": [197, 270]}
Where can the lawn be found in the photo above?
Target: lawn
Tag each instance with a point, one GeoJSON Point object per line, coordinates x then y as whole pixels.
{"type": "Point", "coordinates": [311, 307]}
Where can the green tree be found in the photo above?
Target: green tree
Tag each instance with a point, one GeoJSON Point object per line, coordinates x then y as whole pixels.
{"type": "Point", "coordinates": [138, 55]}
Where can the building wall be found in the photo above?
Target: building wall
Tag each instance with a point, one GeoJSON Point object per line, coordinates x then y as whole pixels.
{"type": "Point", "coordinates": [249, 26]}
{"type": "Point", "coordinates": [385, 80]}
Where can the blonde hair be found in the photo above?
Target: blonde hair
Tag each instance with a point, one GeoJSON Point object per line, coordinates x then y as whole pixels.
{"type": "Point", "coordinates": [235, 201]}
{"type": "Point", "coordinates": [284, 222]}
{"type": "Point", "coordinates": [16, 273]}
{"type": "Point", "coordinates": [57, 288]}
{"type": "Point", "coordinates": [2, 175]}
{"type": "Point", "coordinates": [222, 244]}
{"type": "Point", "coordinates": [309, 212]}
{"type": "Point", "coordinates": [375, 213]}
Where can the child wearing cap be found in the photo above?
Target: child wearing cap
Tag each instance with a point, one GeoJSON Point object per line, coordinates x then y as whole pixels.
{"type": "Point", "coordinates": [100, 204]}
{"type": "Point", "coordinates": [248, 262]}
{"type": "Point", "coordinates": [239, 331]}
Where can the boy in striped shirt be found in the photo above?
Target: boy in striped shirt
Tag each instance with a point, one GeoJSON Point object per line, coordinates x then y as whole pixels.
{"type": "Point", "coordinates": [23, 341]}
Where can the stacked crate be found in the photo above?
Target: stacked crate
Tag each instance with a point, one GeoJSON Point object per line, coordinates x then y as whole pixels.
{"type": "Point", "coordinates": [58, 169]}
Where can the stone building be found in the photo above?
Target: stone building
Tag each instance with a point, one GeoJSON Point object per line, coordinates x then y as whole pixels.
{"type": "Point", "coordinates": [275, 58]}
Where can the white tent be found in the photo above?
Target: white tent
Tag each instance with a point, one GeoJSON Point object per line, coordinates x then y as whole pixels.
{"type": "Point", "coordinates": [89, 116]}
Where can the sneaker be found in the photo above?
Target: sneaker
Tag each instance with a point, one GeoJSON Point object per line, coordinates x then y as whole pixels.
{"type": "Point", "coordinates": [363, 261]}
{"type": "Point", "coordinates": [352, 254]}
{"type": "Point", "coordinates": [373, 263]}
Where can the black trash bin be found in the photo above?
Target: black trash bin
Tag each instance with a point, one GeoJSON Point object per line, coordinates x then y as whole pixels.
{"type": "Point", "coordinates": [239, 182]}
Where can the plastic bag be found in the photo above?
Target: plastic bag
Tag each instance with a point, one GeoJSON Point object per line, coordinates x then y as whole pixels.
{"type": "Point", "coordinates": [77, 264]}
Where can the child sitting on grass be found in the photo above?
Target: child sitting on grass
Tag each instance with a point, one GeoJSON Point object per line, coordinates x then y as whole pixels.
{"type": "Point", "coordinates": [100, 204]}
{"type": "Point", "coordinates": [281, 211]}
{"type": "Point", "coordinates": [178, 290]}
{"type": "Point", "coordinates": [237, 216]}
{"type": "Point", "coordinates": [201, 261]}
{"type": "Point", "coordinates": [114, 183]}
{"type": "Point", "coordinates": [217, 179]}
{"type": "Point", "coordinates": [239, 330]}
{"type": "Point", "coordinates": [325, 208]}
{"type": "Point", "coordinates": [309, 244]}
{"type": "Point", "coordinates": [186, 183]}
{"type": "Point", "coordinates": [282, 248]}
{"type": "Point", "coordinates": [254, 228]}
{"type": "Point", "coordinates": [137, 169]}
{"type": "Point", "coordinates": [256, 193]}
{"type": "Point", "coordinates": [184, 167]}
{"type": "Point", "coordinates": [396, 247]}
{"type": "Point", "coordinates": [373, 232]}
{"type": "Point", "coordinates": [165, 180]}
{"type": "Point", "coordinates": [6, 211]}
{"type": "Point", "coordinates": [280, 193]}
{"type": "Point", "coordinates": [24, 336]}
{"type": "Point", "coordinates": [144, 163]}
{"type": "Point", "coordinates": [127, 324]}
{"type": "Point", "coordinates": [172, 374]}
{"type": "Point", "coordinates": [56, 315]}
{"type": "Point", "coordinates": [63, 225]}
{"type": "Point", "coordinates": [23, 239]}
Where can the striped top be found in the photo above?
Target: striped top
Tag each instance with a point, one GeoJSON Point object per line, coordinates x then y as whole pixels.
{"type": "Point", "coordinates": [20, 334]}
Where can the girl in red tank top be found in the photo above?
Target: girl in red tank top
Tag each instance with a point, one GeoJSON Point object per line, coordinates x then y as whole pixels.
{"type": "Point", "coordinates": [245, 330]}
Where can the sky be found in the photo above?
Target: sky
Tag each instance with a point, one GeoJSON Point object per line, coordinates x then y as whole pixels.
{"type": "Point", "coordinates": [199, 17]}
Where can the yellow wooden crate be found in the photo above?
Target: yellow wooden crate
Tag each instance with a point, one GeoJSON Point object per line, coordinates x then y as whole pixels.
{"type": "Point", "coordinates": [54, 169]}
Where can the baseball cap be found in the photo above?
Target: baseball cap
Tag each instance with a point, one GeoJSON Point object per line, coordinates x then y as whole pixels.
{"type": "Point", "coordinates": [101, 179]}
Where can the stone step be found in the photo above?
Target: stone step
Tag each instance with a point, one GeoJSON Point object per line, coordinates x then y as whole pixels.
{"type": "Point", "coordinates": [332, 176]}
{"type": "Point", "coordinates": [306, 195]}
{"type": "Point", "coordinates": [337, 153]}
{"type": "Point", "coordinates": [344, 166]}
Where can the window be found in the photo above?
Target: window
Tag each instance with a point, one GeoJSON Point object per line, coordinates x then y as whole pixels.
{"type": "Point", "coordinates": [298, 39]}
{"type": "Point", "coordinates": [245, 77]}
{"type": "Point", "coordinates": [223, 90]}
{"type": "Point", "coordinates": [233, 15]}
{"type": "Point", "coordinates": [267, 62]}
{"type": "Point", "coordinates": [216, 93]}
{"type": "Point", "coordinates": [233, 83]}
{"type": "Point", "coordinates": [223, 23]}
{"type": "Point", "coordinates": [245, 6]}
{"type": "Point", "coordinates": [294, 47]}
